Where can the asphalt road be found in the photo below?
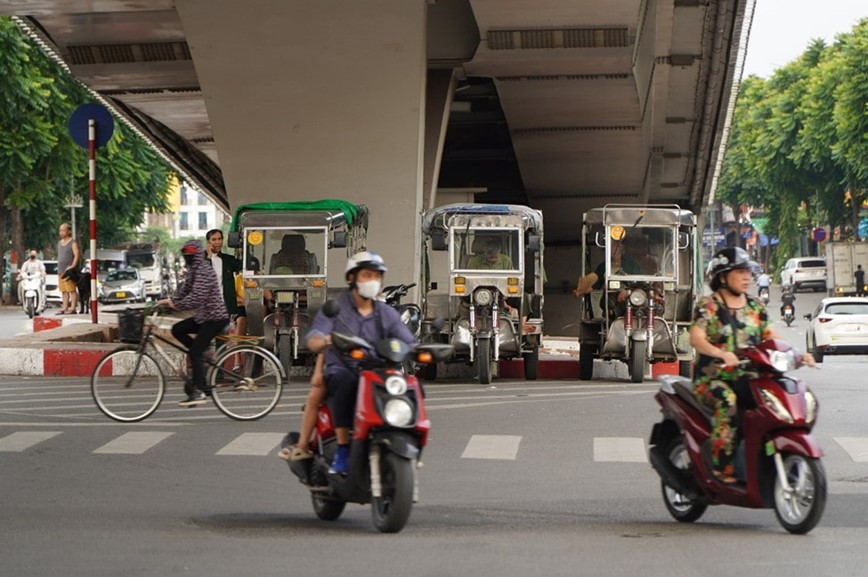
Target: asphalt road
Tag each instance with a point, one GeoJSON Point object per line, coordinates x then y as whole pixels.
{"type": "Point", "coordinates": [520, 479]}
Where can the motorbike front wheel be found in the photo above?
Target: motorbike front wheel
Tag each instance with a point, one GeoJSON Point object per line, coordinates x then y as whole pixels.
{"type": "Point", "coordinates": [680, 507]}
{"type": "Point", "coordinates": [637, 361]}
{"type": "Point", "coordinates": [799, 509]}
{"type": "Point", "coordinates": [483, 360]}
{"type": "Point", "coordinates": [31, 307]}
{"type": "Point", "coordinates": [391, 511]}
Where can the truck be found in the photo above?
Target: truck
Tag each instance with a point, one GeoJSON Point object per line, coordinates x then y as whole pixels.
{"type": "Point", "coordinates": [842, 257]}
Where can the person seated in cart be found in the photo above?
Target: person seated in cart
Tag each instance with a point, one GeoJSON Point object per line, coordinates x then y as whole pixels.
{"type": "Point", "coordinates": [491, 258]}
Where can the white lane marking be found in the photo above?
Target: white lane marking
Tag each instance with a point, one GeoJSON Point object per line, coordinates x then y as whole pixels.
{"type": "Point", "coordinates": [492, 447]}
{"type": "Point", "coordinates": [20, 441]}
{"type": "Point", "coordinates": [619, 450]}
{"type": "Point", "coordinates": [133, 443]}
{"type": "Point", "coordinates": [856, 447]}
{"type": "Point", "coordinates": [252, 444]}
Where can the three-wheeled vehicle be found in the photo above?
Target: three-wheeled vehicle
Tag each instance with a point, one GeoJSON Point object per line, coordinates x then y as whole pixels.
{"type": "Point", "coordinates": [286, 249]}
{"type": "Point", "coordinates": [644, 260]}
{"type": "Point", "coordinates": [483, 267]}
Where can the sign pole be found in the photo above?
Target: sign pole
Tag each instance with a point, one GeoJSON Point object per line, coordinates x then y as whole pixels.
{"type": "Point", "coordinates": [94, 262]}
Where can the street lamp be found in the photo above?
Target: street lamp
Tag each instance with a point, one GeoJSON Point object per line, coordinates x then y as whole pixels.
{"type": "Point", "coordinates": [73, 201]}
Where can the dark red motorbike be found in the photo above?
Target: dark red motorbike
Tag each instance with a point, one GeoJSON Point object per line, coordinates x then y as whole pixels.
{"type": "Point", "coordinates": [389, 433]}
{"type": "Point", "coordinates": [777, 460]}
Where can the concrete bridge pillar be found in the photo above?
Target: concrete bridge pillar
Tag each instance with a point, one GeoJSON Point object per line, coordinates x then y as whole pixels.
{"type": "Point", "coordinates": [331, 104]}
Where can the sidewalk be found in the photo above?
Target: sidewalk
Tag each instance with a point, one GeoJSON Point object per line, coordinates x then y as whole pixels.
{"type": "Point", "coordinates": [71, 345]}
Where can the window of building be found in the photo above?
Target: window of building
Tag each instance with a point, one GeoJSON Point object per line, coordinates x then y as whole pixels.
{"type": "Point", "coordinates": [202, 200]}
{"type": "Point", "coordinates": [203, 220]}
{"type": "Point", "coordinates": [184, 224]}
{"type": "Point", "coordinates": [184, 199]}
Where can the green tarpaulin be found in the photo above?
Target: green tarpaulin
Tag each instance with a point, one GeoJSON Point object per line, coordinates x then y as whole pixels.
{"type": "Point", "coordinates": [349, 209]}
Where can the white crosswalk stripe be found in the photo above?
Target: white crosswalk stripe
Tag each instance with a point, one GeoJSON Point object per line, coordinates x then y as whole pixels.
{"type": "Point", "coordinates": [252, 444]}
{"type": "Point", "coordinates": [23, 440]}
{"type": "Point", "coordinates": [492, 447]}
{"type": "Point", "coordinates": [856, 447]}
{"type": "Point", "coordinates": [133, 443]}
{"type": "Point", "coordinates": [620, 450]}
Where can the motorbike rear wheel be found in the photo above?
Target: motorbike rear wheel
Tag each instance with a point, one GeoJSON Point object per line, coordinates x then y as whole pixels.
{"type": "Point", "coordinates": [637, 361]}
{"type": "Point", "coordinates": [531, 363]}
{"type": "Point", "coordinates": [799, 510]}
{"type": "Point", "coordinates": [327, 509]}
{"type": "Point", "coordinates": [391, 511]}
{"type": "Point", "coordinates": [680, 507]}
{"type": "Point", "coordinates": [587, 353]}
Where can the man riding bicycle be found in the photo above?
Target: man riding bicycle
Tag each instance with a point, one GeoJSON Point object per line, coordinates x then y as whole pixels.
{"type": "Point", "coordinates": [201, 294]}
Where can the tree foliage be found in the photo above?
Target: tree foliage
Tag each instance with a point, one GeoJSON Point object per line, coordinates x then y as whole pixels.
{"type": "Point", "coordinates": [800, 139]}
{"type": "Point", "coordinates": [40, 165]}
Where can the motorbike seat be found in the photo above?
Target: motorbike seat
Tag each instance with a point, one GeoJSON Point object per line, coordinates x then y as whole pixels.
{"type": "Point", "coordinates": [684, 389]}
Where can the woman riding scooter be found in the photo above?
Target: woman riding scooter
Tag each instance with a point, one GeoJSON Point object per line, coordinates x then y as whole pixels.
{"type": "Point", "coordinates": [723, 322]}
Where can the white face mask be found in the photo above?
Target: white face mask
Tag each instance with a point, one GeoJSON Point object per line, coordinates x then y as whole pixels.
{"type": "Point", "coordinates": [369, 289]}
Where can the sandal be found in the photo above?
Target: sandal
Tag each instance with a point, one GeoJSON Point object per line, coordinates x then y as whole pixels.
{"type": "Point", "coordinates": [294, 453]}
{"type": "Point", "coordinates": [724, 479]}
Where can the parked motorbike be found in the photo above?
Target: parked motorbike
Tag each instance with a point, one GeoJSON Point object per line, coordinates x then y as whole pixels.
{"type": "Point", "coordinates": [764, 294]}
{"type": "Point", "coordinates": [389, 432]}
{"type": "Point", "coordinates": [33, 293]}
{"type": "Point", "coordinates": [411, 315]}
{"type": "Point", "coordinates": [777, 459]}
{"type": "Point", "coordinates": [789, 314]}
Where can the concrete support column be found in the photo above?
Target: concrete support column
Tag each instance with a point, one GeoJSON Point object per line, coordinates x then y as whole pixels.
{"type": "Point", "coordinates": [441, 89]}
{"type": "Point", "coordinates": [312, 100]}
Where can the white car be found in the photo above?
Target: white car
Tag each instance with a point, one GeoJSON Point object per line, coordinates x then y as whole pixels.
{"type": "Point", "coordinates": [52, 292]}
{"type": "Point", "coordinates": [839, 326]}
{"type": "Point", "coordinates": [804, 271]}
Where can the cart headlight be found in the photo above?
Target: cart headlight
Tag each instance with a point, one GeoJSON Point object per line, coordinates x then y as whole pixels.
{"type": "Point", "coordinates": [398, 412]}
{"type": "Point", "coordinates": [775, 405]}
{"type": "Point", "coordinates": [638, 298]}
{"type": "Point", "coordinates": [482, 298]}
{"type": "Point", "coordinates": [285, 297]}
{"type": "Point", "coordinates": [811, 405]}
{"type": "Point", "coordinates": [396, 385]}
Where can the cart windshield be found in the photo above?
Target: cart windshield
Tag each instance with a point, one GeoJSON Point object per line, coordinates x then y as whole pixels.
{"type": "Point", "coordinates": [285, 252]}
{"type": "Point", "coordinates": [486, 249]}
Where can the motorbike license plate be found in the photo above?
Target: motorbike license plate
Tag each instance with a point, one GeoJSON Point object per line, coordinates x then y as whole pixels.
{"type": "Point", "coordinates": [121, 294]}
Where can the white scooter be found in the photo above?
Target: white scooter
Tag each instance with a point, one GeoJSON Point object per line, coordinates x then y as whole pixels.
{"type": "Point", "coordinates": [32, 293]}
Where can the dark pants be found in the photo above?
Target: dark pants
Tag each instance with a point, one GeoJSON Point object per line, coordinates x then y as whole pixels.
{"type": "Point", "coordinates": [342, 386]}
{"type": "Point", "coordinates": [205, 333]}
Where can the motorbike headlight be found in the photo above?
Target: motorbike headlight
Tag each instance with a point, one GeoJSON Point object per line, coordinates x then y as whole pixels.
{"type": "Point", "coordinates": [638, 298]}
{"type": "Point", "coordinates": [783, 361]}
{"type": "Point", "coordinates": [396, 385]}
{"type": "Point", "coordinates": [775, 405]}
{"type": "Point", "coordinates": [811, 405]}
{"type": "Point", "coordinates": [482, 298]}
{"type": "Point", "coordinates": [398, 412]}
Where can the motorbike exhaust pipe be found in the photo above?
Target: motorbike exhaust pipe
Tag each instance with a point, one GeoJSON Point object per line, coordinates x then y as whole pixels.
{"type": "Point", "coordinates": [676, 478]}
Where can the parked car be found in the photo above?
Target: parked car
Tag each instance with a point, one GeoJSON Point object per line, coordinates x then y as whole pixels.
{"type": "Point", "coordinates": [804, 271]}
{"type": "Point", "coordinates": [122, 286]}
{"type": "Point", "coordinates": [838, 326]}
{"type": "Point", "coordinates": [52, 291]}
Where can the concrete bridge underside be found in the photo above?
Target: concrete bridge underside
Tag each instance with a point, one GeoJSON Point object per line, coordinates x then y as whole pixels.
{"type": "Point", "coordinates": [562, 105]}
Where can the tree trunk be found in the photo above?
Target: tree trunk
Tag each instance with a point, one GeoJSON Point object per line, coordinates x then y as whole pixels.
{"type": "Point", "coordinates": [17, 240]}
{"type": "Point", "coordinates": [4, 298]}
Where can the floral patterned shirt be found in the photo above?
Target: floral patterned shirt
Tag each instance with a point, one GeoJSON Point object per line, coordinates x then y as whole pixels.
{"type": "Point", "coordinates": [748, 326]}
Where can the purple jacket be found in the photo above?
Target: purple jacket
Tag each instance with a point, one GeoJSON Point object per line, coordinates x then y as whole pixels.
{"type": "Point", "coordinates": [201, 292]}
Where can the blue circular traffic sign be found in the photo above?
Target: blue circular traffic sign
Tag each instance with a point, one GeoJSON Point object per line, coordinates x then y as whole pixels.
{"type": "Point", "coordinates": [103, 121]}
{"type": "Point", "coordinates": [819, 234]}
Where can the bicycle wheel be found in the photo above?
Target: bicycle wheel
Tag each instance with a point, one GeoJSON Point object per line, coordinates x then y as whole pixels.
{"type": "Point", "coordinates": [252, 392]}
{"type": "Point", "coordinates": [127, 386]}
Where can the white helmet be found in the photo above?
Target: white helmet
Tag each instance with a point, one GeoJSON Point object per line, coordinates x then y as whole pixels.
{"type": "Point", "coordinates": [364, 259]}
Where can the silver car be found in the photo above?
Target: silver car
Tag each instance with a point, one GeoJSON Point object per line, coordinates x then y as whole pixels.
{"type": "Point", "coordinates": [122, 286]}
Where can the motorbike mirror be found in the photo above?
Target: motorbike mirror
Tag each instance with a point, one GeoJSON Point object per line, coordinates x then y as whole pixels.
{"type": "Point", "coordinates": [534, 242]}
{"type": "Point", "coordinates": [438, 241]}
{"type": "Point", "coordinates": [234, 240]}
{"type": "Point", "coordinates": [331, 309]}
{"type": "Point", "coordinates": [339, 240]}
{"type": "Point", "coordinates": [808, 316]}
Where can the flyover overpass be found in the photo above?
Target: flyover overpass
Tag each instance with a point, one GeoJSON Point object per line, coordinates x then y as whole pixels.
{"type": "Point", "coordinates": [404, 104]}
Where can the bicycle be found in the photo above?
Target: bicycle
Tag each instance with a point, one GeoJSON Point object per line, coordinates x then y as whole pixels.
{"type": "Point", "coordinates": [128, 384]}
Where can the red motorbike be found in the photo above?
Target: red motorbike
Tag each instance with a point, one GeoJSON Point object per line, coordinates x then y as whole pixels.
{"type": "Point", "coordinates": [777, 460]}
{"type": "Point", "coordinates": [389, 432]}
